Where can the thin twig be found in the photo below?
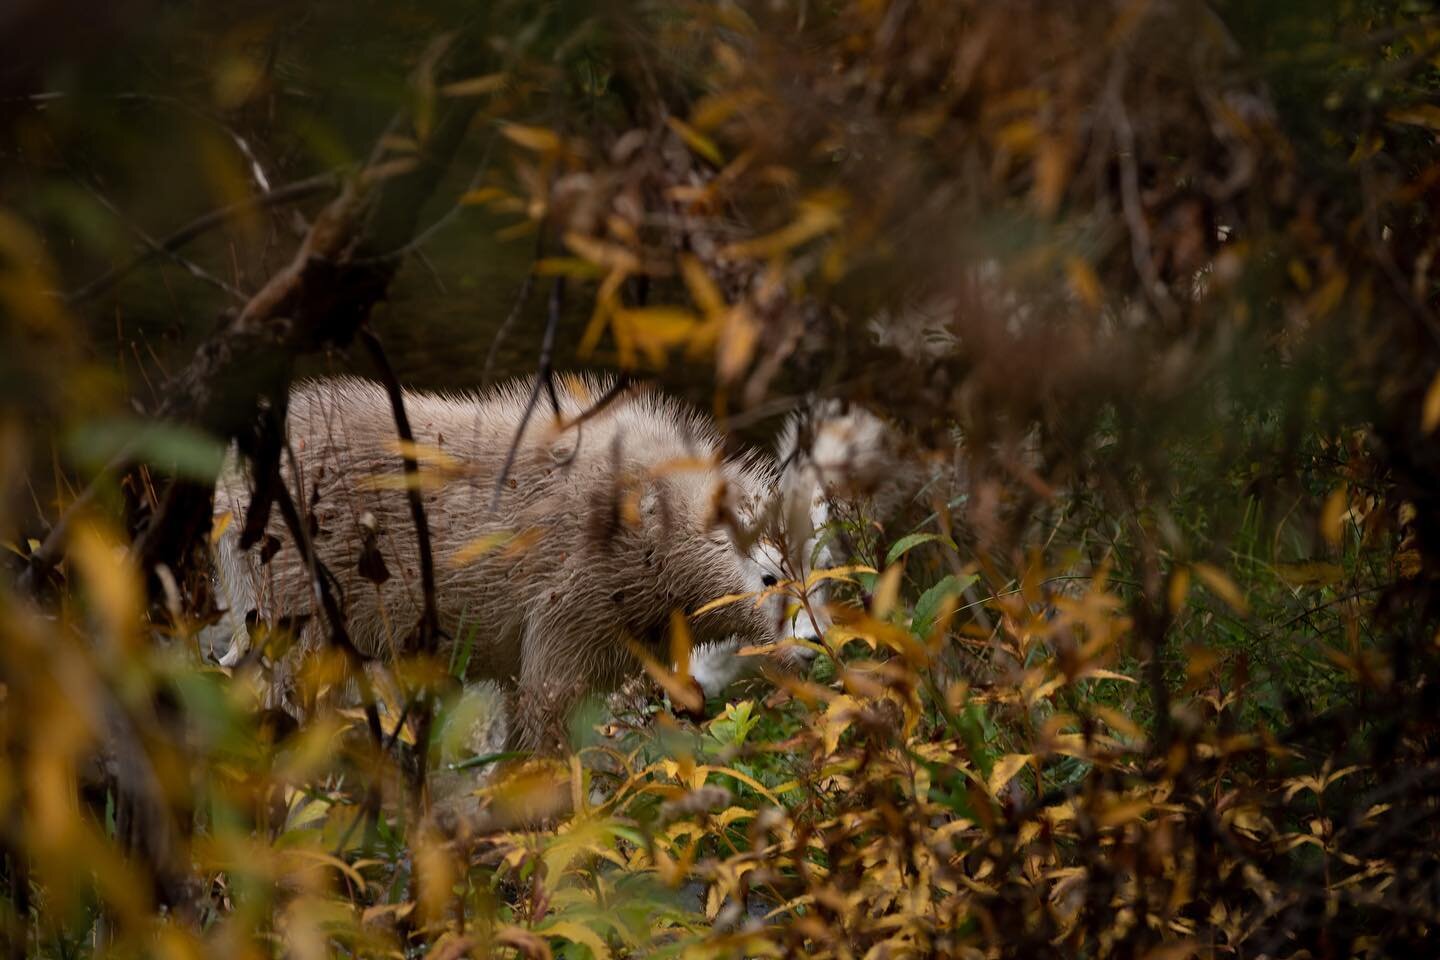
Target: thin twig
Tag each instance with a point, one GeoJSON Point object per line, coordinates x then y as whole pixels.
{"type": "Point", "coordinates": [542, 378]}
{"type": "Point", "coordinates": [623, 384]}
{"type": "Point", "coordinates": [257, 172]}
{"type": "Point", "coordinates": [339, 634]}
{"type": "Point", "coordinates": [426, 233]}
{"type": "Point", "coordinates": [522, 300]}
{"type": "Point", "coordinates": [429, 620]}
{"type": "Point", "coordinates": [155, 248]}
{"type": "Point", "coordinates": [167, 246]}
{"type": "Point", "coordinates": [43, 559]}
{"type": "Point", "coordinates": [429, 627]}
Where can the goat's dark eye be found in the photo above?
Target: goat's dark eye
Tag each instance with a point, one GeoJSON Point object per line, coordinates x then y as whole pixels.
{"type": "Point", "coordinates": [768, 580]}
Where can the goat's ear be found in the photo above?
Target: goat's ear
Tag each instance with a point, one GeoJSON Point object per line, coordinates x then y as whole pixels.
{"type": "Point", "coordinates": [800, 505]}
{"type": "Point", "coordinates": [793, 512]}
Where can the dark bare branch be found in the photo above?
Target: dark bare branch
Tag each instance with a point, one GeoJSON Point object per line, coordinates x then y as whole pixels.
{"type": "Point", "coordinates": [543, 380]}
{"type": "Point", "coordinates": [201, 225]}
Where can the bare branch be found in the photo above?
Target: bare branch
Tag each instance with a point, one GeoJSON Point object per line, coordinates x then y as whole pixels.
{"type": "Point", "coordinates": [522, 299]}
{"type": "Point", "coordinates": [200, 225]}
{"type": "Point", "coordinates": [543, 378]}
{"type": "Point", "coordinates": [155, 248]}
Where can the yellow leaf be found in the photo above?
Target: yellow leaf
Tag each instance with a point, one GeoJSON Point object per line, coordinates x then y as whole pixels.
{"type": "Point", "coordinates": [427, 453]}
{"type": "Point", "coordinates": [578, 933]}
{"type": "Point", "coordinates": [1053, 160]}
{"type": "Point", "coordinates": [479, 195]}
{"type": "Point", "coordinates": [744, 778]}
{"type": "Point", "coordinates": [528, 943]}
{"type": "Point", "coordinates": [684, 692]}
{"type": "Point", "coordinates": [606, 300]}
{"type": "Point", "coordinates": [1199, 661]}
{"type": "Point", "coordinates": [1017, 137]}
{"type": "Point", "coordinates": [319, 856]}
{"type": "Point", "coordinates": [1223, 587]}
{"type": "Point", "coordinates": [26, 294]}
{"type": "Point", "coordinates": [719, 602]}
{"type": "Point", "coordinates": [817, 215]}
{"type": "Point", "coordinates": [221, 525]}
{"type": "Point", "coordinates": [538, 139]}
{"type": "Point", "coordinates": [1328, 297]}
{"type": "Point", "coordinates": [680, 646]}
{"type": "Point", "coordinates": [655, 330]}
{"type": "Point", "coordinates": [479, 547]}
{"type": "Point", "coordinates": [1005, 770]}
{"type": "Point", "coordinates": [172, 943]}
{"type": "Point", "coordinates": [702, 289]}
{"type": "Point", "coordinates": [737, 346]}
{"type": "Point", "coordinates": [1119, 722]}
{"type": "Point", "coordinates": [696, 140]}
{"type": "Point", "coordinates": [1083, 282]}
{"type": "Point", "coordinates": [435, 871]}
{"type": "Point", "coordinates": [887, 589]}
{"type": "Point", "coordinates": [711, 111]}
{"type": "Point", "coordinates": [1096, 673]}
{"type": "Point", "coordinates": [1365, 148]}
{"type": "Point", "coordinates": [669, 468]}
{"type": "Point", "coordinates": [515, 231]}
{"type": "Point", "coordinates": [1312, 574]}
{"type": "Point", "coordinates": [1299, 274]}
{"type": "Point", "coordinates": [605, 254]}
{"type": "Point", "coordinates": [1419, 115]}
{"type": "Point", "coordinates": [568, 267]}
{"type": "Point", "coordinates": [836, 573]}
{"type": "Point", "coordinates": [397, 910]}
{"type": "Point", "coordinates": [428, 480]}
{"type": "Point", "coordinates": [1332, 514]}
{"type": "Point", "coordinates": [475, 86]}
{"type": "Point", "coordinates": [836, 720]}
{"type": "Point", "coordinates": [111, 581]}
{"type": "Point", "coordinates": [1430, 409]}
{"type": "Point", "coordinates": [1179, 589]}
{"type": "Point", "coordinates": [1120, 811]}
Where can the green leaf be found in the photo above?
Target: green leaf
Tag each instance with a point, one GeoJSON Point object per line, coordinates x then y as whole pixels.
{"type": "Point", "coordinates": [912, 540]}
{"type": "Point", "coordinates": [171, 448]}
{"type": "Point", "coordinates": [734, 725]}
{"type": "Point", "coordinates": [929, 603]}
{"type": "Point", "coordinates": [460, 655]}
{"type": "Point", "coordinates": [489, 758]}
{"type": "Point", "coordinates": [467, 723]}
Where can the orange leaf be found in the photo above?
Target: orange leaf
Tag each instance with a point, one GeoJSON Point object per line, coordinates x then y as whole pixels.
{"type": "Point", "coordinates": [1005, 770]}
{"type": "Point", "coordinates": [1430, 409]}
{"type": "Point", "coordinates": [1223, 587]}
{"type": "Point", "coordinates": [538, 139]}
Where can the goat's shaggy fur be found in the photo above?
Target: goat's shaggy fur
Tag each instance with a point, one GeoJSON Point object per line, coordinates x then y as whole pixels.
{"type": "Point", "coordinates": [601, 531]}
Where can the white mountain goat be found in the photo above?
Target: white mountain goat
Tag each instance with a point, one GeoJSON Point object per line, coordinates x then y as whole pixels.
{"type": "Point", "coordinates": [607, 522]}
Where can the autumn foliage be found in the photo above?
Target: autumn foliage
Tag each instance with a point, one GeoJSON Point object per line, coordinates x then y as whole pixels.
{"type": "Point", "coordinates": [1138, 666]}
